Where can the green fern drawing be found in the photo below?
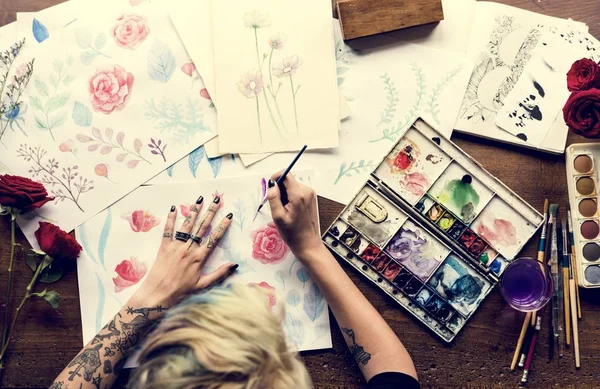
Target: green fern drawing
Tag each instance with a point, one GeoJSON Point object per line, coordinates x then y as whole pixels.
{"type": "Point", "coordinates": [49, 101]}
{"type": "Point", "coordinates": [354, 168]}
{"type": "Point", "coordinates": [392, 133]}
{"type": "Point", "coordinates": [434, 103]}
{"type": "Point", "coordinates": [183, 121]}
{"type": "Point", "coordinates": [392, 99]}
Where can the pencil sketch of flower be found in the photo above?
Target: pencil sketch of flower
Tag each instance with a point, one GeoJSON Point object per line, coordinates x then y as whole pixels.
{"type": "Point", "coordinates": [11, 107]}
{"type": "Point", "coordinates": [106, 145]}
{"type": "Point", "coordinates": [276, 41]}
{"type": "Point", "coordinates": [251, 85]}
{"type": "Point", "coordinates": [184, 121]}
{"type": "Point", "coordinates": [66, 184]}
{"type": "Point", "coordinates": [287, 68]}
{"type": "Point", "coordinates": [257, 19]}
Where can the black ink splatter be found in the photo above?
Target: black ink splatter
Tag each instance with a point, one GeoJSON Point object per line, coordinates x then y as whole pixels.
{"type": "Point", "coordinates": [539, 89]}
{"type": "Point", "coordinates": [522, 137]}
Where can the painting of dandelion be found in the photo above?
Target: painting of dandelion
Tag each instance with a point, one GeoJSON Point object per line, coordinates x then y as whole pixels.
{"type": "Point", "coordinates": [275, 79]}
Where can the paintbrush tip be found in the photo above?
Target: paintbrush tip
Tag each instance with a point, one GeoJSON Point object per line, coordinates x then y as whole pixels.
{"type": "Point", "coordinates": [553, 209]}
{"type": "Point", "coordinates": [546, 206]}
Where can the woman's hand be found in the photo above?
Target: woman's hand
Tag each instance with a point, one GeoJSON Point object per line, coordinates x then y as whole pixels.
{"type": "Point", "coordinates": [176, 271]}
{"type": "Point", "coordinates": [297, 221]}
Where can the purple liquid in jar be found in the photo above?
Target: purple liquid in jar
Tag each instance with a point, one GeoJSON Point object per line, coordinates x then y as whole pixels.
{"type": "Point", "coordinates": [526, 284]}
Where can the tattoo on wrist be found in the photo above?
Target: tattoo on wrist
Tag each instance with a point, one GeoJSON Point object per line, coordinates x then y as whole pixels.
{"type": "Point", "coordinates": [359, 354]}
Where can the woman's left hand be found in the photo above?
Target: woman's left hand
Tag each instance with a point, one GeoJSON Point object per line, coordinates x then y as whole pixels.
{"type": "Point", "coordinates": [177, 270]}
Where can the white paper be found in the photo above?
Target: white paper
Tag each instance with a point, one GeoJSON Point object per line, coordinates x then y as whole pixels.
{"type": "Point", "coordinates": [109, 238]}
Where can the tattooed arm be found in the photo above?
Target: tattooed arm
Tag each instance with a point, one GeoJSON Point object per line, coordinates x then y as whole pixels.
{"type": "Point", "coordinates": [373, 344]}
{"type": "Point", "coordinates": [175, 273]}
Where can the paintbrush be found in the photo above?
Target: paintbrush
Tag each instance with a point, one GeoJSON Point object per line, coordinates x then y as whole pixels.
{"type": "Point", "coordinates": [566, 287]}
{"type": "Point", "coordinates": [279, 183]}
{"type": "Point", "coordinates": [520, 342]}
{"type": "Point", "coordinates": [554, 271]}
{"type": "Point", "coordinates": [534, 337]}
{"type": "Point", "coordinates": [526, 344]}
{"type": "Point", "coordinates": [542, 248]}
{"type": "Point", "coordinates": [573, 296]}
{"type": "Point", "coordinates": [574, 262]}
{"type": "Point", "coordinates": [559, 290]}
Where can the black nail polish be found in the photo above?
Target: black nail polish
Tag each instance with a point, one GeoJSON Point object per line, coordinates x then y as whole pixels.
{"type": "Point", "coordinates": [233, 268]}
{"type": "Point", "coordinates": [200, 200]}
{"type": "Point", "coordinates": [230, 216]}
{"type": "Point", "coordinates": [172, 208]}
{"type": "Point", "coordinates": [271, 183]}
{"type": "Point", "coordinates": [216, 200]}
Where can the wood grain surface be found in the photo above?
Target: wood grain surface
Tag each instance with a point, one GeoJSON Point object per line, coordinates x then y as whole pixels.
{"type": "Point", "coordinates": [479, 357]}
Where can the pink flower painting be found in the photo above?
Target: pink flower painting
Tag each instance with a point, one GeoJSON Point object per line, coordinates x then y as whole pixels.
{"type": "Point", "coordinates": [188, 68]}
{"type": "Point", "coordinates": [66, 146]}
{"type": "Point", "coordinates": [130, 31]}
{"type": "Point", "coordinates": [129, 272]}
{"type": "Point", "coordinates": [269, 290]}
{"type": "Point", "coordinates": [204, 94]}
{"type": "Point", "coordinates": [142, 221]}
{"type": "Point", "coordinates": [251, 84]}
{"type": "Point", "coordinates": [499, 232]}
{"type": "Point", "coordinates": [185, 210]}
{"type": "Point", "coordinates": [267, 245]}
{"type": "Point", "coordinates": [415, 183]}
{"type": "Point", "coordinates": [110, 89]}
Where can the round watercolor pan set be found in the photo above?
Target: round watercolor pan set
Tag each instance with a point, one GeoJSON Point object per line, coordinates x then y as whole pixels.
{"type": "Point", "coordinates": [433, 229]}
{"type": "Point", "coordinates": [582, 182]}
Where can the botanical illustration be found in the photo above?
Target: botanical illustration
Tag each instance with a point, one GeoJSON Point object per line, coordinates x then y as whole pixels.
{"type": "Point", "coordinates": [129, 272]}
{"type": "Point", "coordinates": [52, 96]}
{"type": "Point", "coordinates": [182, 121]}
{"type": "Point", "coordinates": [161, 62]}
{"type": "Point", "coordinates": [433, 103]}
{"type": "Point", "coordinates": [40, 32]}
{"type": "Point", "coordinates": [354, 167]}
{"type": "Point", "coordinates": [91, 46]}
{"type": "Point", "coordinates": [110, 89]}
{"type": "Point", "coordinates": [130, 31]}
{"type": "Point", "coordinates": [141, 220]}
{"type": "Point", "coordinates": [64, 184]}
{"type": "Point", "coordinates": [253, 83]}
{"type": "Point", "coordinates": [11, 90]}
{"type": "Point", "coordinates": [268, 247]}
{"type": "Point", "coordinates": [105, 145]}
{"type": "Point", "coordinates": [392, 98]}
{"type": "Point", "coordinates": [197, 156]}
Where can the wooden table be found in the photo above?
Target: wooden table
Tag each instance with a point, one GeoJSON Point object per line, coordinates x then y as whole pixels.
{"type": "Point", "coordinates": [479, 357]}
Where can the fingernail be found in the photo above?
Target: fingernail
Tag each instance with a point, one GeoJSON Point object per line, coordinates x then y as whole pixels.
{"type": "Point", "coordinates": [172, 208]}
{"type": "Point", "coordinates": [200, 200]}
{"type": "Point", "coordinates": [216, 200]}
{"type": "Point", "coordinates": [230, 216]}
{"type": "Point", "coordinates": [271, 183]}
{"type": "Point", "coordinates": [233, 268]}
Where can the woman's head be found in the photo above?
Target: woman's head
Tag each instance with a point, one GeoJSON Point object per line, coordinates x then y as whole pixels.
{"type": "Point", "coordinates": [224, 338]}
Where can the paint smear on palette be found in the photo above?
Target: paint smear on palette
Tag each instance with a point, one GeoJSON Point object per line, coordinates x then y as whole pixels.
{"type": "Point", "coordinates": [461, 193]}
{"type": "Point", "coordinates": [504, 228]}
{"type": "Point", "coordinates": [417, 250]}
{"type": "Point", "coordinates": [412, 166]}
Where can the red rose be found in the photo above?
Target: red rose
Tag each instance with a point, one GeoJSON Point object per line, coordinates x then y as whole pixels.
{"type": "Point", "coordinates": [583, 75]}
{"type": "Point", "coordinates": [22, 193]}
{"type": "Point", "coordinates": [582, 113]}
{"type": "Point", "coordinates": [268, 246]}
{"type": "Point", "coordinates": [56, 243]}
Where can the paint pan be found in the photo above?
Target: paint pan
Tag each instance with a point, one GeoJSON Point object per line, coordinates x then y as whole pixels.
{"type": "Point", "coordinates": [583, 164]}
{"type": "Point", "coordinates": [588, 207]}
{"type": "Point", "coordinates": [370, 253]}
{"type": "Point", "coordinates": [585, 186]}
{"type": "Point", "coordinates": [392, 270]}
{"type": "Point", "coordinates": [591, 252]}
{"type": "Point", "coordinates": [589, 229]}
{"type": "Point", "coordinates": [592, 274]}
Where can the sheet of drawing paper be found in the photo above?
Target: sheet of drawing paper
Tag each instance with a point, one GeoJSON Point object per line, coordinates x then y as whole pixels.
{"type": "Point", "coordinates": [275, 78]}
{"type": "Point", "coordinates": [129, 233]}
{"type": "Point", "coordinates": [540, 93]}
{"type": "Point", "coordinates": [387, 90]}
{"type": "Point", "coordinates": [501, 42]}
{"type": "Point", "coordinates": [108, 111]}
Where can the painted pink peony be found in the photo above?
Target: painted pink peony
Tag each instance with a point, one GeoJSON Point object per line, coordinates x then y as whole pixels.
{"type": "Point", "coordinates": [142, 221]}
{"type": "Point", "coordinates": [415, 183]}
{"type": "Point", "coordinates": [130, 31]}
{"type": "Point", "coordinates": [185, 210]}
{"type": "Point", "coordinates": [188, 68]}
{"type": "Point", "coordinates": [129, 272]}
{"type": "Point", "coordinates": [269, 290]}
{"type": "Point", "coordinates": [110, 89]}
{"type": "Point", "coordinates": [268, 247]}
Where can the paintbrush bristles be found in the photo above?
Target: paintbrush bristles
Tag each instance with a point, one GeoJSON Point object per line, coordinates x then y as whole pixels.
{"type": "Point", "coordinates": [553, 211]}
{"type": "Point", "coordinates": [546, 206]}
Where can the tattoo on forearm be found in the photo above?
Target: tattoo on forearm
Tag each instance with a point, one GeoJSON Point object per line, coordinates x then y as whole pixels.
{"type": "Point", "coordinates": [167, 235]}
{"type": "Point", "coordinates": [57, 385]}
{"type": "Point", "coordinates": [107, 369]}
{"type": "Point", "coordinates": [358, 353]}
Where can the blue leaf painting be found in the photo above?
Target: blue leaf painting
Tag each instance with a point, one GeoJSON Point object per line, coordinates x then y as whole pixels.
{"type": "Point", "coordinates": [293, 298]}
{"type": "Point", "coordinates": [314, 303]}
{"type": "Point", "coordinates": [40, 32]}
{"type": "Point", "coordinates": [82, 115]}
{"type": "Point", "coordinates": [87, 57]}
{"type": "Point", "coordinates": [82, 238]}
{"type": "Point", "coordinates": [215, 165]}
{"type": "Point", "coordinates": [170, 170]}
{"type": "Point", "coordinates": [100, 306]}
{"type": "Point", "coordinates": [195, 158]}
{"type": "Point", "coordinates": [280, 277]}
{"type": "Point", "coordinates": [302, 275]}
{"type": "Point", "coordinates": [161, 62]}
{"type": "Point", "coordinates": [104, 237]}
{"type": "Point", "coordinates": [294, 329]}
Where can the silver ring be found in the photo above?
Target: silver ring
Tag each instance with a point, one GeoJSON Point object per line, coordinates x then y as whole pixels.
{"type": "Point", "coordinates": [182, 236]}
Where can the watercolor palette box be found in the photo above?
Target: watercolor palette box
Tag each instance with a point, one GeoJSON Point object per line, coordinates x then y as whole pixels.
{"type": "Point", "coordinates": [582, 181]}
{"type": "Point", "coordinates": [433, 229]}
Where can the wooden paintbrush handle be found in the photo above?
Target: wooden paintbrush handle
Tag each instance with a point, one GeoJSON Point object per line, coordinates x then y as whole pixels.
{"type": "Point", "coordinates": [566, 295]}
{"type": "Point", "coordinates": [513, 364]}
{"type": "Point", "coordinates": [575, 324]}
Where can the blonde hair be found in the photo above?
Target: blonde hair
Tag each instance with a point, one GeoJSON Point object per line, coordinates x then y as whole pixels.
{"type": "Point", "coordinates": [225, 338]}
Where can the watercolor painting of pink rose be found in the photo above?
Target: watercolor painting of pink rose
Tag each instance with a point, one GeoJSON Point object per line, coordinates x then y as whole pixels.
{"type": "Point", "coordinates": [269, 290]}
{"type": "Point", "coordinates": [129, 272]}
{"type": "Point", "coordinates": [415, 183]}
{"type": "Point", "coordinates": [110, 89]}
{"type": "Point", "coordinates": [267, 245]}
{"type": "Point", "coordinates": [130, 31]}
{"type": "Point", "coordinates": [185, 210]}
{"type": "Point", "coordinates": [142, 221]}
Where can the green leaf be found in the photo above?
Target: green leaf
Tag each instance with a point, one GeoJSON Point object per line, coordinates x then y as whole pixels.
{"type": "Point", "coordinates": [84, 37]}
{"type": "Point", "coordinates": [342, 70]}
{"type": "Point", "coordinates": [68, 80]}
{"type": "Point", "coordinates": [341, 80]}
{"type": "Point", "coordinates": [58, 120]}
{"type": "Point", "coordinates": [41, 88]}
{"type": "Point", "coordinates": [35, 103]}
{"type": "Point", "coordinates": [100, 41]}
{"type": "Point", "coordinates": [31, 259]}
{"type": "Point", "coordinates": [52, 298]}
{"type": "Point", "coordinates": [40, 294]}
{"type": "Point", "coordinates": [57, 65]}
{"type": "Point", "coordinates": [56, 102]}
{"type": "Point", "coordinates": [51, 274]}
{"type": "Point", "coordinates": [40, 124]}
